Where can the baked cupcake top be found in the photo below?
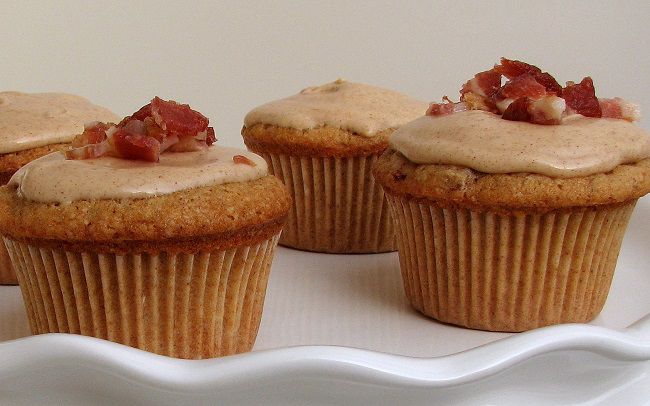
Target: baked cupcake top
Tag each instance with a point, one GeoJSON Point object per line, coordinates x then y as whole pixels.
{"type": "Point", "coordinates": [527, 143]}
{"type": "Point", "coordinates": [31, 120]}
{"type": "Point", "coordinates": [355, 107]}
{"type": "Point", "coordinates": [152, 180]}
{"type": "Point", "coordinates": [336, 119]}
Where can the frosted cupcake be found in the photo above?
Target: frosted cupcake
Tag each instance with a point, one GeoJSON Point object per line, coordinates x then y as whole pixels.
{"type": "Point", "coordinates": [146, 235]}
{"type": "Point", "coordinates": [33, 125]}
{"type": "Point", "coordinates": [511, 205]}
{"type": "Point", "coordinates": [322, 143]}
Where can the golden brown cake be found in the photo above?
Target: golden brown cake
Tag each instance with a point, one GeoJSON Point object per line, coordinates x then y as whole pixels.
{"type": "Point", "coordinates": [322, 143]}
{"type": "Point", "coordinates": [165, 251]}
{"type": "Point", "coordinates": [33, 125]}
{"type": "Point", "coordinates": [511, 205]}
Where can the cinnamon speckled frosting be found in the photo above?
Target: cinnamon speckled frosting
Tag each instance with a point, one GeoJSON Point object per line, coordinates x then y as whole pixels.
{"type": "Point", "coordinates": [359, 108]}
{"type": "Point", "coordinates": [30, 120]}
{"type": "Point", "coordinates": [483, 141]}
{"type": "Point", "coordinates": [54, 179]}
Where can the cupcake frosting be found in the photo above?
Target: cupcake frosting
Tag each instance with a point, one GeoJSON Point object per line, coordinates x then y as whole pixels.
{"type": "Point", "coordinates": [359, 108]}
{"type": "Point", "coordinates": [54, 179]}
{"type": "Point", "coordinates": [485, 142]}
{"type": "Point", "coordinates": [31, 120]}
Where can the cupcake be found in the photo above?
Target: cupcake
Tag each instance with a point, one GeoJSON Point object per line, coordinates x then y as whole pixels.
{"type": "Point", "coordinates": [322, 143]}
{"type": "Point", "coordinates": [33, 125]}
{"type": "Point", "coordinates": [146, 235]}
{"type": "Point", "coordinates": [511, 205]}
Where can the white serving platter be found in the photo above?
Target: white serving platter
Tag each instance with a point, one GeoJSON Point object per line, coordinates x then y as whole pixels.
{"type": "Point", "coordinates": [337, 330]}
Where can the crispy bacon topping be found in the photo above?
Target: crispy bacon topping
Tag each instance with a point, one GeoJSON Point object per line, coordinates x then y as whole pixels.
{"type": "Point", "coordinates": [157, 127]}
{"type": "Point", "coordinates": [581, 98]}
{"type": "Point", "coordinates": [447, 107]}
{"type": "Point", "coordinates": [240, 159]}
{"type": "Point", "coordinates": [533, 96]}
{"type": "Point", "coordinates": [619, 108]}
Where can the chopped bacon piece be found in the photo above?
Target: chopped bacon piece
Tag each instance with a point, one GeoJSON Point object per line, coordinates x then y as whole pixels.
{"type": "Point", "coordinates": [522, 86]}
{"type": "Point", "coordinates": [549, 82]}
{"type": "Point", "coordinates": [177, 118]}
{"type": "Point", "coordinates": [484, 84]}
{"type": "Point", "coordinates": [533, 96]}
{"type": "Point", "coordinates": [582, 99]}
{"type": "Point", "coordinates": [94, 133]}
{"type": "Point", "coordinates": [158, 126]}
{"type": "Point", "coordinates": [210, 137]}
{"type": "Point", "coordinates": [440, 109]}
{"type": "Point", "coordinates": [448, 107]}
{"type": "Point", "coordinates": [240, 159]}
{"type": "Point", "coordinates": [620, 109]}
{"type": "Point", "coordinates": [547, 110]}
{"type": "Point", "coordinates": [518, 110]}
{"type": "Point", "coordinates": [512, 69]}
{"type": "Point", "coordinates": [135, 146]}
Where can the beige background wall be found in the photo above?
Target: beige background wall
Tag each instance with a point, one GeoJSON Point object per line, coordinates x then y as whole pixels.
{"type": "Point", "coordinates": [225, 57]}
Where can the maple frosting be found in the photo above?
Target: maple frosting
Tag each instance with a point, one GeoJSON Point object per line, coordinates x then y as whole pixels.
{"type": "Point", "coordinates": [359, 108]}
{"type": "Point", "coordinates": [53, 178]}
{"type": "Point", "coordinates": [31, 120]}
{"type": "Point", "coordinates": [487, 143]}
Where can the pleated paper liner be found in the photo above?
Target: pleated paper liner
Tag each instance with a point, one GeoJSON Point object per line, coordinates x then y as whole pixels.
{"type": "Point", "coordinates": [338, 207]}
{"type": "Point", "coordinates": [192, 306]}
{"type": "Point", "coordinates": [7, 273]}
{"type": "Point", "coordinates": [508, 272]}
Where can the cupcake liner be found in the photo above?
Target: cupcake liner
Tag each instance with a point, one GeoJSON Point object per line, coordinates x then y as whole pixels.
{"type": "Point", "coordinates": [507, 272]}
{"type": "Point", "coordinates": [338, 207]}
{"type": "Point", "coordinates": [7, 273]}
{"type": "Point", "coordinates": [194, 306]}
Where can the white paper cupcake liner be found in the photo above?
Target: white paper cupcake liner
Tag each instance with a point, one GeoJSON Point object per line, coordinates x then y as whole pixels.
{"type": "Point", "coordinates": [338, 207]}
{"type": "Point", "coordinates": [200, 305]}
{"type": "Point", "coordinates": [508, 272]}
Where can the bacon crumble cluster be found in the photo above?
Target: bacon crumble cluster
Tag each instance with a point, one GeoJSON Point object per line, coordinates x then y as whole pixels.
{"type": "Point", "coordinates": [157, 127]}
{"type": "Point", "coordinates": [532, 96]}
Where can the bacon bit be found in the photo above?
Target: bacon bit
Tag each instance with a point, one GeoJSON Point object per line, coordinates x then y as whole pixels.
{"type": "Point", "coordinates": [448, 107]}
{"type": "Point", "coordinates": [522, 86]}
{"type": "Point", "coordinates": [240, 159]}
{"type": "Point", "coordinates": [135, 146]}
{"type": "Point", "coordinates": [210, 137]}
{"type": "Point", "coordinates": [177, 118]}
{"type": "Point", "coordinates": [532, 96]}
{"type": "Point", "coordinates": [142, 114]}
{"type": "Point", "coordinates": [547, 110]}
{"type": "Point", "coordinates": [484, 84]}
{"type": "Point", "coordinates": [94, 133]}
{"type": "Point", "coordinates": [518, 110]}
{"type": "Point", "coordinates": [158, 126]}
{"type": "Point", "coordinates": [513, 69]}
{"type": "Point", "coordinates": [619, 109]}
{"type": "Point", "coordinates": [440, 109]}
{"type": "Point", "coordinates": [581, 98]}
